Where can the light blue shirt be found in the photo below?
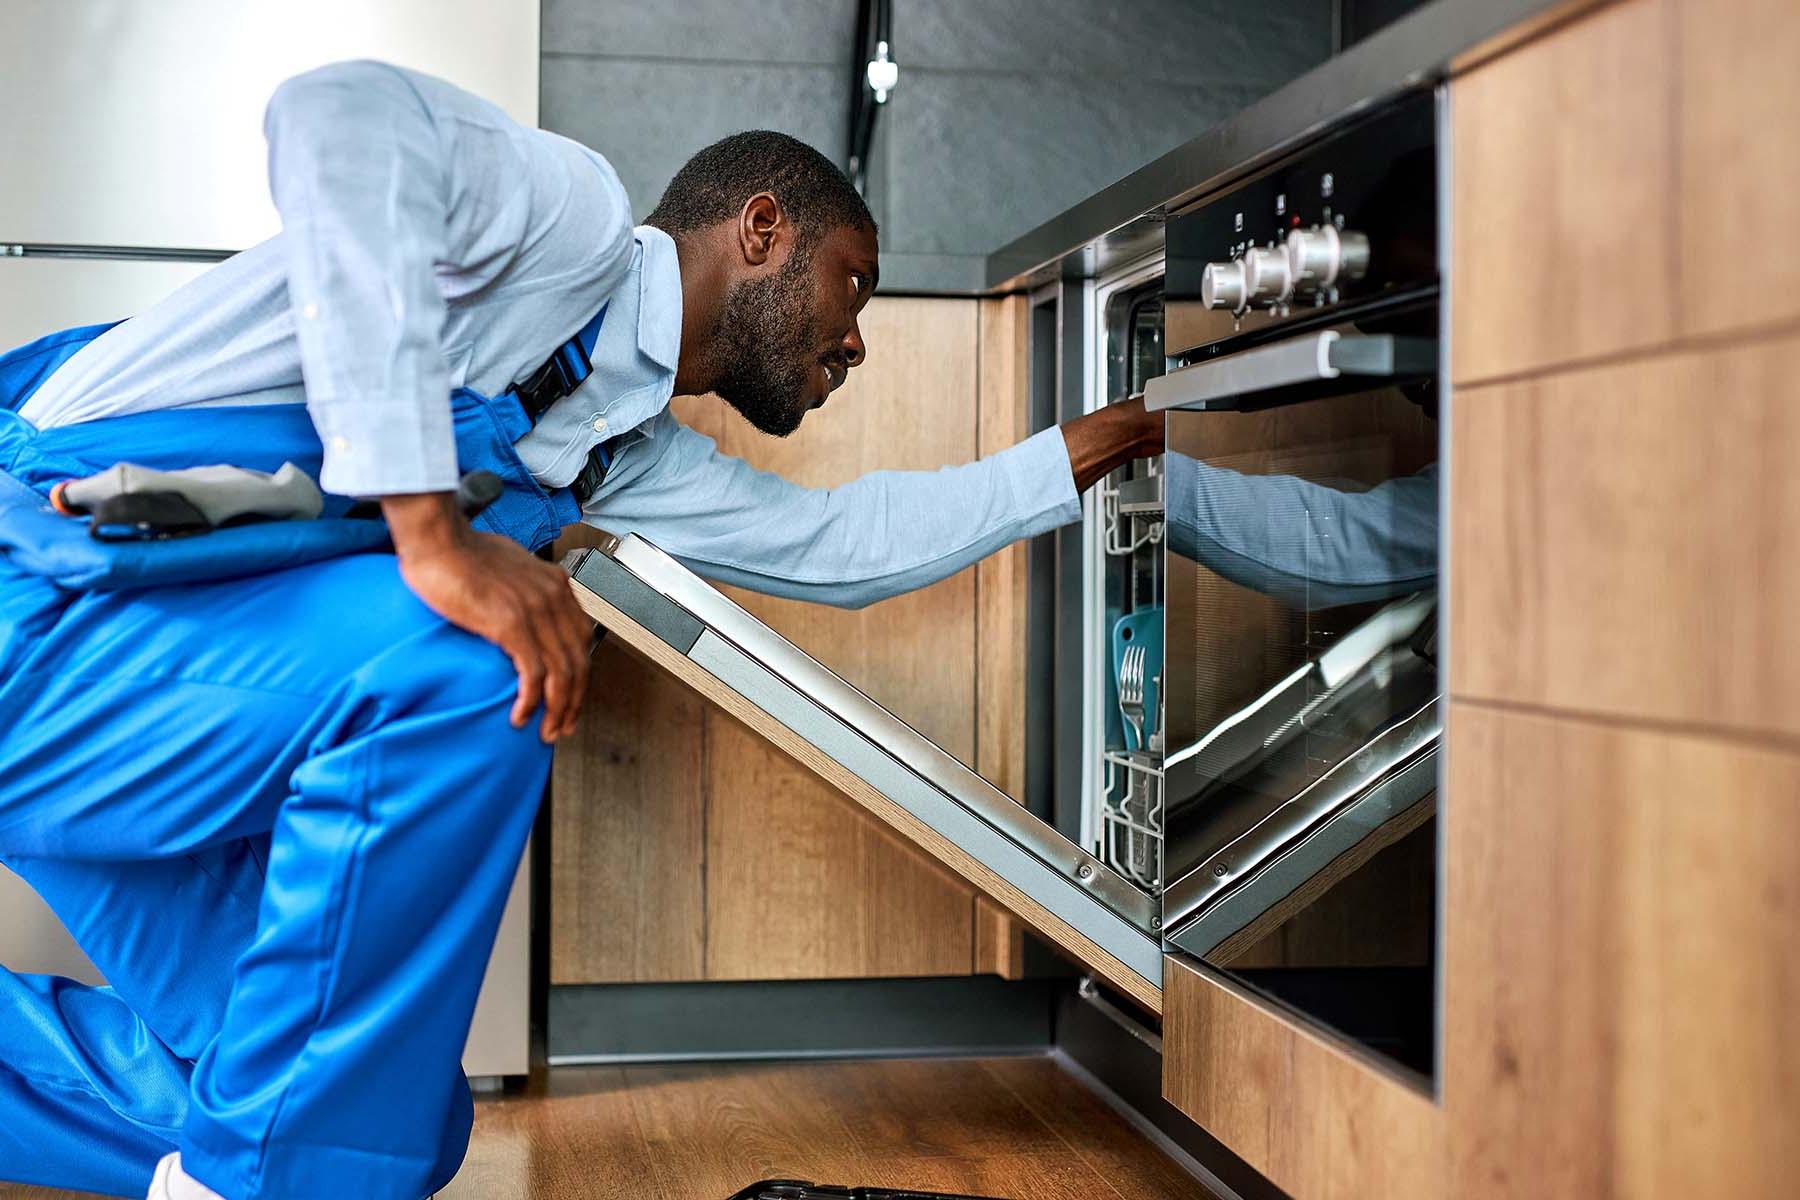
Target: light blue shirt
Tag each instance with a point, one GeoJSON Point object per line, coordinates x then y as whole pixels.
{"type": "Point", "coordinates": [1306, 544]}
{"type": "Point", "coordinates": [430, 242]}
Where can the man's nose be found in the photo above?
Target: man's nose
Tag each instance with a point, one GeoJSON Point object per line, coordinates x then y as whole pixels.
{"type": "Point", "coordinates": [854, 350]}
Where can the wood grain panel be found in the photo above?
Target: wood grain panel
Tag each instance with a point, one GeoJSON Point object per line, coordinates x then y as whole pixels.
{"type": "Point", "coordinates": [999, 941]}
{"type": "Point", "coordinates": [628, 840]}
{"type": "Point", "coordinates": [1624, 539]}
{"type": "Point", "coordinates": [1093, 1129]}
{"type": "Point", "coordinates": [911, 407]}
{"type": "Point", "coordinates": [1563, 231]}
{"type": "Point", "coordinates": [581, 1140]}
{"type": "Point", "coordinates": [804, 886]}
{"type": "Point", "coordinates": [727, 861]}
{"type": "Point", "coordinates": [1622, 913]}
{"type": "Point", "coordinates": [1002, 582]}
{"type": "Point", "coordinates": [1018, 1127]}
{"type": "Point", "coordinates": [1319, 1122]}
{"type": "Point", "coordinates": [910, 828]}
{"type": "Point", "coordinates": [1739, 167]}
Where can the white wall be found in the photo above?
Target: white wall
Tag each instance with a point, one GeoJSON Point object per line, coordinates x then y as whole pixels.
{"type": "Point", "coordinates": [139, 122]}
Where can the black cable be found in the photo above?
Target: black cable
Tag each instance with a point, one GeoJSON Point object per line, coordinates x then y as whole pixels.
{"type": "Point", "coordinates": [874, 25]}
{"type": "Point", "coordinates": [859, 93]}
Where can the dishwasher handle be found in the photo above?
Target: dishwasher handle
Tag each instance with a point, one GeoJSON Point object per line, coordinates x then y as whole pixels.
{"type": "Point", "coordinates": [1320, 364]}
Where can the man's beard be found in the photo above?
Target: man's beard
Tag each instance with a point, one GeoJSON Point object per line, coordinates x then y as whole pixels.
{"type": "Point", "coordinates": [767, 348]}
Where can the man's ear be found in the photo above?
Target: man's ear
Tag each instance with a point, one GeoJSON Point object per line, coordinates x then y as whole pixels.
{"type": "Point", "coordinates": [761, 227]}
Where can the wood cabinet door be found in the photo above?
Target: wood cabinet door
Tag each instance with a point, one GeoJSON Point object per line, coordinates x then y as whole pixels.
{"type": "Point", "coordinates": [687, 848]}
{"type": "Point", "coordinates": [800, 679]}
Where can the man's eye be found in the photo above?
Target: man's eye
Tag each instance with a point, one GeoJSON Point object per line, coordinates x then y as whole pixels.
{"type": "Point", "coordinates": [858, 282]}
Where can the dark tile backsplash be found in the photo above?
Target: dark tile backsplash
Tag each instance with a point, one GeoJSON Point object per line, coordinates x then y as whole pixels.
{"type": "Point", "coordinates": [1007, 112]}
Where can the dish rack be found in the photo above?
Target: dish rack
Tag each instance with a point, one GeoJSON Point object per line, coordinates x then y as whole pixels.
{"type": "Point", "coordinates": [1130, 826]}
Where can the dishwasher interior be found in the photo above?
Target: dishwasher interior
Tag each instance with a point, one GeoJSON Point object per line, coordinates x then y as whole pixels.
{"type": "Point", "coordinates": [1260, 757]}
{"type": "Point", "coordinates": [1124, 820]}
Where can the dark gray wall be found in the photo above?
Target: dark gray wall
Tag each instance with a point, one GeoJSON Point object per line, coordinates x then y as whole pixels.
{"type": "Point", "coordinates": [1007, 111]}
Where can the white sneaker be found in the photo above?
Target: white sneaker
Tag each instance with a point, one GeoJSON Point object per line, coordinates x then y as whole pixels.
{"type": "Point", "coordinates": [173, 1183]}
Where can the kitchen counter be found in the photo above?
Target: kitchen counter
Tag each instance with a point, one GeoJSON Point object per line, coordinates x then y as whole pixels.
{"type": "Point", "coordinates": [1124, 221]}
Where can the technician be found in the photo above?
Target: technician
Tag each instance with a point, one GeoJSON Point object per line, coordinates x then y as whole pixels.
{"type": "Point", "coordinates": [276, 778]}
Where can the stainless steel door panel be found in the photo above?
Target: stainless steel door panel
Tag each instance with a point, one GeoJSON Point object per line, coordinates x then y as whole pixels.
{"type": "Point", "coordinates": [1398, 751]}
{"type": "Point", "coordinates": [875, 746]}
{"type": "Point", "coordinates": [1057, 885]}
{"type": "Point", "coordinates": [1348, 827]}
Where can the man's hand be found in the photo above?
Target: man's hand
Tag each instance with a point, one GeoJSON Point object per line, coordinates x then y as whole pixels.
{"type": "Point", "coordinates": [1110, 437]}
{"type": "Point", "coordinates": [495, 589]}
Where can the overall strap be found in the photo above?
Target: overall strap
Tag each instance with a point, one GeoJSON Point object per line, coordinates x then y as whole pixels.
{"type": "Point", "coordinates": [563, 372]}
{"type": "Point", "coordinates": [557, 379]}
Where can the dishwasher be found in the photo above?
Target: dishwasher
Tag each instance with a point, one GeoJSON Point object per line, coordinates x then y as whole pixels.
{"type": "Point", "coordinates": [1223, 763]}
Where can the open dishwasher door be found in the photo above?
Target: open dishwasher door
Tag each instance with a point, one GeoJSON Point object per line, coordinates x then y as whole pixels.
{"type": "Point", "coordinates": [674, 618]}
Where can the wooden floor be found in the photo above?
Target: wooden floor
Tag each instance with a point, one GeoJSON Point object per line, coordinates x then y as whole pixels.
{"type": "Point", "coordinates": [1015, 1128]}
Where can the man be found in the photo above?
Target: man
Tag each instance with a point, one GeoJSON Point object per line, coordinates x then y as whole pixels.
{"type": "Point", "coordinates": [279, 798]}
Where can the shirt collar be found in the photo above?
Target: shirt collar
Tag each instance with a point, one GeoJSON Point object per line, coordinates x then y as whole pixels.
{"type": "Point", "coordinates": [659, 298]}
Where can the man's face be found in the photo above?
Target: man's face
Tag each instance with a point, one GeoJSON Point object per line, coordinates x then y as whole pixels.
{"type": "Point", "coordinates": [789, 337]}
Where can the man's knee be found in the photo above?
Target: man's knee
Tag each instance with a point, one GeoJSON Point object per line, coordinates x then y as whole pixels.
{"type": "Point", "coordinates": [442, 667]}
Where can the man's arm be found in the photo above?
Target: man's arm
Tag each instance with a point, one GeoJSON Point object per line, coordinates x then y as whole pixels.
{"type": "Point", "coordinates": [1110, 437]}
{"type": "Point", "coordinates": [1308, 545]}
{"type": "Point", "coordinates": [886, 533]}
{"type": "Point", "coordinates": [387, 181]}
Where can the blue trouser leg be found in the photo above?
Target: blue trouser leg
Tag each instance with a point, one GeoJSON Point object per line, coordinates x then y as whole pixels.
{"type": "Point", "coordinates": [322, 712]}
{"type": "Point", "coordinates": [167, 934]}
{"type": "Point", "coordinates": [95, 1080]}
{"type": "Point", "coordinates": [89, 1098]}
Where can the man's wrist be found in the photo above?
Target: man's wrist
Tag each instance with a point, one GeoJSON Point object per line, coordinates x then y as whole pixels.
{"type": "Point", "coordinates": [1108, 437]}
{"type": "Point", "coordinates": [424, 522]}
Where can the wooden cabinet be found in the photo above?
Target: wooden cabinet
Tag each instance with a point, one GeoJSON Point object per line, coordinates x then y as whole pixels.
{"type": "Point", "coordinates": [687, 848]}
{"type": "Point", "coordinates": [1737, 161]}
{"type": "Point", "coordinates": [628, 842]}
{"type": "Point", "coordinates": [1560, 210]}
{"type": "Point", "coordinates": [1621, 814]}
{"type": "Point", "coordinates": [1621, 913]}
{"type": "Point", "coordinates": [1610, 177]}
{"type": "Point", "coordinates": [1624, 536]}
{"type": "Point", "coordinates": [1319, 1121]}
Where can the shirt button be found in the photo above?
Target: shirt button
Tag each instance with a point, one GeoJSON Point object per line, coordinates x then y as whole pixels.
{"type": "Point", "coordinates": [340, 443]}
{"type": "Point", "coordinates": [599, 423]}
{"type": "Point", "coordinates": [310, 312]}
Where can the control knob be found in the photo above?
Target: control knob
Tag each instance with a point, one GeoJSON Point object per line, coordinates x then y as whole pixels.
{"type": "Point", "coordinates": [1222, 285]}
{"type": "Point", "coordinates": [1267, 280]}
{"type": "Point", "coordinates": [1323, 256]}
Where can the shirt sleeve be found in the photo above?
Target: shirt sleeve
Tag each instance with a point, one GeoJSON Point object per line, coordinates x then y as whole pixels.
{"type": "Point", "coordinates": [393, 187]}
{"type": "Point", "coordinates": [1308, 545]}
{"type": "Point", "coordinates": [878, 536]}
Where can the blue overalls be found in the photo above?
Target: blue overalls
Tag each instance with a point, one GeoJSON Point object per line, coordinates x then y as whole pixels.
{"type": "Point", "coordinates": [276, 799]}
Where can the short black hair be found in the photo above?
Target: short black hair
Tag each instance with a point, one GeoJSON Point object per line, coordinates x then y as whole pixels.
{"type": "Point", "coordinates": [714, 185]}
